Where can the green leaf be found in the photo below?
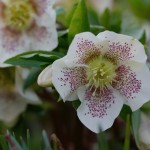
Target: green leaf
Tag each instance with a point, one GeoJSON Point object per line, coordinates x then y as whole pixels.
{"type": "Point", "coordinates": [105, 19]}
{"type": "Point", "coordinates": [146, 106]}
{"type": "Point", "coordinates": [34, 59]}
{"type": "Point", "coordinates": [3, 143]}
{"type": "Point", "coordinates": [143, 38]}
{"type": "Point", "coordinates": [127, 134]}
{"type": "Point", "coordinates": [79, 22]}
{"type": "Point", "coordinates": [76, 104]}
{"type": "Point", "coordinates": [32, 78]}
{"type": "Point", "coordinates": [135, 125]}
{"type": "Point", "coordinates": [96, 29]}
{"type": "Point", "coordinates": [70, 15]}
{"type": "Point", "coordinates": [125, 111]}
{"type": "Point", "coordinates": [102, 144]}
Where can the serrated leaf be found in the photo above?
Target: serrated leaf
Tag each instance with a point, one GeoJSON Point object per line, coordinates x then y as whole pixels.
{"type": "Point", "coordinates": [79, 22]}
{"type": "Point", "coordinates": [136, 125]}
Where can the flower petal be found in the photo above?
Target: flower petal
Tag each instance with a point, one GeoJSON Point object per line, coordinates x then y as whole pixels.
{"type": "Point", "coordinates": [134, 86]}
{"type": "Point", "coordinates": [29, 95]}
{"type": "Point", "coordinates": [48, 19]}
{"type": "Point", "coordinates": [43, 38]}
{"type": "Point", "coordinates": [11, 44]}
{"type": "Point", "coordinates": [11, 105]}
{"type": "Point", "coordinates": [123, 48]}
{"type": "Point", "coordinates": [98, 112]}
{"type": "Point", "coordinates": [84, 47]}
{"type": "Point", "coordinates": [67, 80]}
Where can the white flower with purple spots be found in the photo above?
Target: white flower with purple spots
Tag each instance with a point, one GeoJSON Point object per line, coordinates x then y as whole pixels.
{"type": "Point", "coordinates": [26, 25]}
{"type": "Point", "coordinates": [103, 72]}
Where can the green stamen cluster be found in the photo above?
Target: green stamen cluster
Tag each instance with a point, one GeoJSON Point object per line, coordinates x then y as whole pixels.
{"type": "Point", "coordinates": [100, 72]}
{"type": "Point", "coordinates": [19, 14]}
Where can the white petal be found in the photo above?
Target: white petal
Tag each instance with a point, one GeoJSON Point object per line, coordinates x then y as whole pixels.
{"type": "Point", "coordinates": [98, 112]}
{"type": "Point", "coordinates": [45, 77]}
{"type": "Point", "coordinates": [143, 94]}
{"type": "Point", "coordinates": [47, 19]}
{"type": "Point", "coordinates": [43, 38]}
{"type": "Point", "coordinates": [124, 47]}
{"type": "Point", "coordinates": [30, 96]}
{"type": "Point", "coordinates": [67, 80]}
{"type": "Point", "coordinates": [11, 105]}
{"type": "Point", "coordinates": [11, 44]}
{"type": "Point", "coordinates": [84, 47]}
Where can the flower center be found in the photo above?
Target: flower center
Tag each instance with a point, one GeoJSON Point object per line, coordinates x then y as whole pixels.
{"type": "Point", "coordinates": [100, 73]}
{"type": "Point", "coordinates": [19, 14]}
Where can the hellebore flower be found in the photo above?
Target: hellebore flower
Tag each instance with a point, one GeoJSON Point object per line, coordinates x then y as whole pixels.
{"type": "Point", "coordinates": [13, 100]}
{"type": "Point", "coordinates": [26, 25]}
{"type": "Point", "coordinates": [103, 72]}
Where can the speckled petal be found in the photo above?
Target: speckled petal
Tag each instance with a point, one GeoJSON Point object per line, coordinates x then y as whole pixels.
{"type": "Point", "coordinates": [43, 38]}
{"type": "Point", "coordinates": [11, 44]}
{"type": "Point", "coordinates": [123, 48]}
{"type": "Point", "coordinates": [84, 47]}
{"type": "Point", "coordinates": [135, 86]}
{"type": "Point", "coordinates": [67, 80]}
{"type": "Point", "coordinates": [98, 112]}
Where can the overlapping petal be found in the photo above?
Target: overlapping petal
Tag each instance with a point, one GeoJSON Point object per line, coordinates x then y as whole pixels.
{"type": "Point", "coordinates": [123, 48]}
{"type": "Point", "coordinates": [84, 47]}
{"type": "Point", "coordinates": [67, 80]}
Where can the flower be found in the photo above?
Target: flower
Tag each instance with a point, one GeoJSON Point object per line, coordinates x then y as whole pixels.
{"type": "Point", "coordinates": [26, 25]}
{"type": "Point", "coordinates": [144, 131]}
{"type": "Point", "coordinates": [103, 72]}
{"type": "Point", "coordinates": [13, 100]}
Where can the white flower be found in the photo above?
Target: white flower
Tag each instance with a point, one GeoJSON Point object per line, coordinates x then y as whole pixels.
{"type": "Point", "coordinates": [103, 72]}
{"type": "Point", "coordinates": [144, 131]}
{"type": "Point", "coordinates": [26, 25]}
{"type": "Point", "coordinates": [13, 100]}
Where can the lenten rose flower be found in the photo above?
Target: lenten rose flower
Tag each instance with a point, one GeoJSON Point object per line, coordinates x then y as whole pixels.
{"type": "Point", "coordinates": [13, 101]}
{"type": "Point", "coordinates": [103, 72]}
{"type": "Point", "coordinates": [26, 25]}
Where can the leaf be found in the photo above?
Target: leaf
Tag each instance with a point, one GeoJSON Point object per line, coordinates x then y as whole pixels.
{"type": "Point", "coordinates": [3, 143]}
{"type": "Point", "coordinates": [96, 29]}
{"type": "Point", "coordinates": [32, 78]}
{"type": "Point", "coordinates": [79, 22]}
{"type": "Point", "coordinates": [127, 134]}
{"type": "Point", "coordinates": [76, 104]}
{"type": "Point", "coordinates": [105, 19]}
{"type": "Point", "coordinates": [135, 126]}
{"type": "Point", "coordinates": [34, 59]}
{"type": "Point", "coordinates": [143, 38]}
{"type": "Point", "coordinates": [70, 15]}
{"type": "Point", "coordinates": [102, 144]}
{"type": "Point", "coordinates": [146, 106]}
